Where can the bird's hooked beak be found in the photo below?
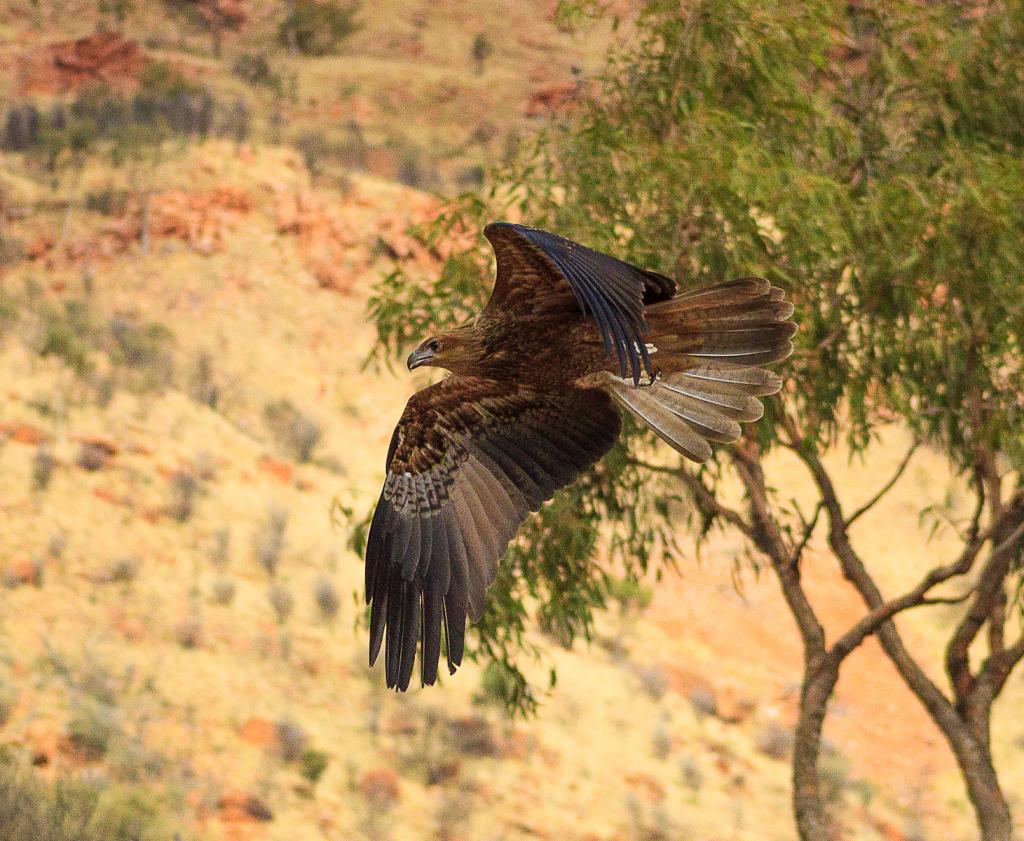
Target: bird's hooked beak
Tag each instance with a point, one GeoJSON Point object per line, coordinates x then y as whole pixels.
{"type": "Point", "coordinates": [420, 356]}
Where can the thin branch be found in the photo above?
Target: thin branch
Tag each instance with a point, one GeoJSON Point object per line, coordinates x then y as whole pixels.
{"type": "Point", "coordinates": [888, 486]}
{"type": "Point", "coordinates": [705, 496]}
{"type": "Point", "coordinates": [947, 599]}
{"type": "Point", "coordinates": [766, 536]}
{"type": "Point", "coordinates": [942, 711]}
{"type": "Point", "coordinates": [988, 591]}
{"type": "Point", "coordinates": [1008, 661]}
{"type": "Point", "coordinates": [809, 525]}
{"type": "Point", "coordinates": [871, 622]}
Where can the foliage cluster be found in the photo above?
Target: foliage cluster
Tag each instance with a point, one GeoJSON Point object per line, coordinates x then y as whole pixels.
{"type": "Point", "coordinates": [318, 27]}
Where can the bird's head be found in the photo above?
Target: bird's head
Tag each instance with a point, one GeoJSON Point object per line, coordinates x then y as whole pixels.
{"type": "Point", "coordinates": [457, 351]}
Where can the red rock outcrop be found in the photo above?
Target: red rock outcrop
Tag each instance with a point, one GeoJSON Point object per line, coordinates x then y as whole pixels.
{"type": "Point", "coordinates": [101, 57]}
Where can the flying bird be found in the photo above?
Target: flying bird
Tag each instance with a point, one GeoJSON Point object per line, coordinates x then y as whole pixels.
{"type": "Point", "coordinates": [538, 381]}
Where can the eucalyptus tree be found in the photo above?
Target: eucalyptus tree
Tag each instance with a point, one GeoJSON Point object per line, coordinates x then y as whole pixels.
{"type": "Point", "coordinates": [869, 159]}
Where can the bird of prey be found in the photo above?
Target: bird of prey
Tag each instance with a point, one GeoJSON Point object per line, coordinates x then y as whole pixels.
{"type": "Point", "coordinates": [537, 383]}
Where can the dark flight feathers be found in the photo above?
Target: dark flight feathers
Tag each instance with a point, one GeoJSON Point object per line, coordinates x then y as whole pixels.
{"type": "Point", "coordinates": [471, 458]}
{"type": "Point", "coordinates": [530, 261]}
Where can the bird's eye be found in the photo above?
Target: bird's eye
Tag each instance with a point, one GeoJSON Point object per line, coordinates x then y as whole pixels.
{"type": "Point", "coordinates": [433, 345]}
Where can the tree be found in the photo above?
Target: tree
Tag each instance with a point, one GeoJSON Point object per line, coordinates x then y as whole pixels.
{"type": "Point", "coordinates": [482, 50]}
{"type": "Point", "coordinates": [118, 10]}
{"type": "Point", "coordinates": [869, 159]}
{"type": "Point", "coordinates": [215, 16]}
{"type": "Point", "coordinates": [317, 27]}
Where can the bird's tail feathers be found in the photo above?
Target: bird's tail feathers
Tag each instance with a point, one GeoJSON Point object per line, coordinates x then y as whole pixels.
{"type": "Point", "coordinates": [706, 344]}
{"type": "Point", "coordinates": [744, 321]}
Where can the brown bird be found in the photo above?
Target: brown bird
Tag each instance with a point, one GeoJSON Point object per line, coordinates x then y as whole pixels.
{"type": "Point", "coordinates": [537, 380]}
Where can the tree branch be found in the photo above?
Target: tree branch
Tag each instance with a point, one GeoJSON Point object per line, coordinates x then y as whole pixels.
{"type": "Point", "coordinates": [1008, 662]}
{"type": "Point", "coordinates": [1010, 526]}
{"type": "Point", "coordinates": [888, 486]}
{"type": "Point", "coordinates": [870, 622]}
{"type": "Point", "coordinates": [941, 710]}
{"type": "Point", "coordinates": [809, 525]}
{"type": "Point", "coordinates": [705, 497]}
{"type": "Point", "coordinates": [766, 536]}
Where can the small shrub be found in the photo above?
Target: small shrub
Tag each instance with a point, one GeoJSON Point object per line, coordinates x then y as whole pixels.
{"type": "Point", "coordinates": [43, 463]}
{"type": "Point", "coordinates": [6, 706]}
{"type": "Point", "coordinates": [202, 386]}
{"type": "Point", "coordinates": [236, 122]}
{"type": "Point", "coordinates": [12, 250]}
{"type": "Point", "coordinates": [268, 541]}
{"type": "Point", "coordinates": [55, 547]}
{"type": "Point", "coordinates": [291, 740]}
{"type": "Point", "coordinates": [255, 70]}
{"type": "Point", "coordinates": [98, 683]}
{"type": "Point", "coordinates": [184, 487]}
{"type": "Point", "coordinates": [327, 599]}
{"type": "Point", "coordinates": [631, 595]}
{"type": "Point", "coordinates": [63, 340]}
{"type": "Point", "coordinates": [661, 740]}
{"type": "Point", "coordinates": [8, 303]}
{"type": "Point", "coordinates": [470, 177]}
{"type": "Point", "coordinates": [317, 27]}
{"type": "Point", "coordinates": [775, 742]}
{"type": "Point", "coordinates": [38, 570]}
{"type": "Point", "coordinates": [654, 681]}
{"type": "Point", "coordinates": [282, 601]}
{"type": "Point", "coordinates": [21, 128]}
{"type": "Point", "coordinates": [312, 765]}
{"type": "Point", "coordinates": [314, 147]}
{"type": "Point", "coordinates": [693, 777]}
{"type": "Point", "coordinates": [131, 761]}
{"type": "Point", "coordinates": [482, 50]}
{"type": "Point", "coordinates": [92, 727]}
{"type": "Point", "coordinates": [223, 591]}
{"type": "Point", "coordinates": [124, 570]}
{"type": "Point", "coordinates": [648, 824]}
{"type": "Point", "coordinates": [189, 632]}
{"type": "Point", "coordinates": [296, 432]}
{"type": "Point", "coordinates": [93, 455]}
{"type": "Point", "coordinates": [220, 548]}
{"type": "Point", "coordinates": [144, 349]}
{"type": "Point", "coordinates": [104, 387]}
{"type": "Point", "coordinates": [305, 435]}
{"type": "Point", "coordinates": [703, 701]}
{"type": "Point", "coordinates": [473, 735]}
{"type": "Point", "coordinates": [108, 201]}
{"type": "Point", "coordinates": [834, 779]}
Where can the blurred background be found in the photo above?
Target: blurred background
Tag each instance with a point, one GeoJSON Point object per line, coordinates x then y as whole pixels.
{"type": "Point", "coordinates": [198, 202]}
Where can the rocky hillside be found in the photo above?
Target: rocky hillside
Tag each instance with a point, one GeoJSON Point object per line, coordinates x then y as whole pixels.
{"type": "Point", "coordinates": [187, 419]}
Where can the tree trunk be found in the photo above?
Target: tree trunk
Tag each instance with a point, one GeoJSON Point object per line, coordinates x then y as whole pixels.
{"type": "Point", "coordinates": [812, 822]}
{"type": "Point", "coordinates": [990, 807]}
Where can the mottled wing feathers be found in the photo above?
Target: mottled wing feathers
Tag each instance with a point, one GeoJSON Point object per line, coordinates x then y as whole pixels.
{"type": "Point", "coordinates": [469, 460]}
{"type": "Point", "coordinates": [530, 265]}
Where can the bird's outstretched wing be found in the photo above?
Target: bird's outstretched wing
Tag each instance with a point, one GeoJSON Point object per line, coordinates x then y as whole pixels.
{"type": "Point", "coordinates": [469, 460]}
{"type": "Point", "coordinates": [541, 273]}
